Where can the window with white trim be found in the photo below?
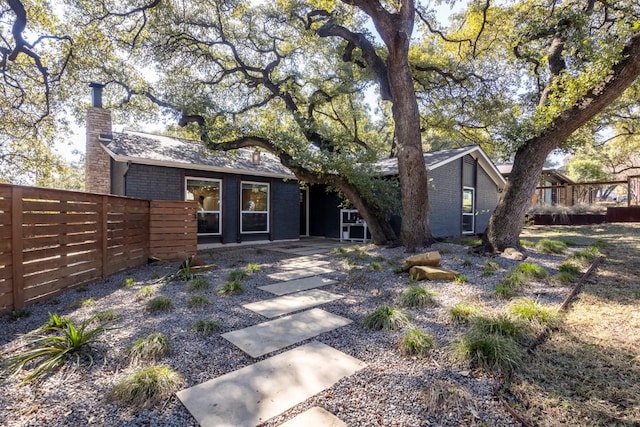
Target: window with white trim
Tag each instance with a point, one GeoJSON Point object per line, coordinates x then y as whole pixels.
{"type": "Point", "coordinates": [208, 193]}
{"type": "Point", "coordinates": [468, 210]}
{"type": "Point", "coordinates": [254, 214]}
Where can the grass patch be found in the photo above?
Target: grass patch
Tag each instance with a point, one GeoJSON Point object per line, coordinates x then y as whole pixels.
{"type": "Point", "coordinates": [128, 282]}
{"type": "Point", "coordinates": [532, 311]}
{"type": "Point", "coordinates": [416, 296]}
{"type": "Point", "coordinates": [198, 301]}
{"type": "Point", "coordinates": [49, 352]}
{"type": "Point", "coordinates": [489, 351]}
{"type": "Point", "coordinates": [230, 288]}
{"type": "Point", "coordinates": [461, 278]}
{"type": "Point", "coordinates": [147, 386]}
{"type": "Point", "coordinates": [570, 268]}
{"type": "Point", "coordinates": [237, 276]}
{"type": "Point", "coordinates": [518, 277]}
{"type": "Point", "coordinates": [490, 267]}
{"type": "Point", "coordinates": [253, 268]}
{"type": "Point", "coordinates": [151, 348]}
{"type": "Point", "coordinates": [503, 325]}
{"type": "Point", "coordinates": [585, 257]}
{"type": "Point", "coordinates": [198, 283]}
{"type": "Point", "coordinates": [146, 292]}
{"type": "Point", "coordinates": [463, 312]}
{"type": "Point", "coordinates": [467, 262]}
{"type": "Point", "coordinates": [159, 304]}
{"type": "Point", "coordinates": [531, 271]}
{"type": "Point", "coordinates": [550, 246]}
{"type": "Point", "coordinates": [375, 266]}
{"type": "Point", "coordinates": [416, 342]}
{"type": "Point", "coordinates": [105, 316]}
{"type": "Point", "coordinates": [87, 302]}
{"type": "Point", "coordinates": [470, 242]}
{"type": "Point", "coordinates": [386, 318]}
{"type": "Point", "coordinates": [206, 327]}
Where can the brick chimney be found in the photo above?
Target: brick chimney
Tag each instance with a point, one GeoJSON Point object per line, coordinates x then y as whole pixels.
{"type": "Point", "coordinates": [97, 161]}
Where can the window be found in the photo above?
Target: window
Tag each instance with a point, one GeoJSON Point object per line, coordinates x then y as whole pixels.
{"type": "Point", "coordinates": [254, 217]}
{"type": "Point", "coordinates": [207, 192]}
{"type": "Point", "coordinates": [468, 210]}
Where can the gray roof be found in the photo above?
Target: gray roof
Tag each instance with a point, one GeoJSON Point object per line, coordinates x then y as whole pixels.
{"type": "Point", "coordinates": [436, 159]}
{"type": "Point", "coordinates": [144, 148]}
{"type": "Point", "coordinates": [505, 170]}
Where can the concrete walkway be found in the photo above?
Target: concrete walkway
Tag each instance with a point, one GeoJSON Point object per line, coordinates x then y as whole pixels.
{"type": "Point", "coordinates": [252, 395]}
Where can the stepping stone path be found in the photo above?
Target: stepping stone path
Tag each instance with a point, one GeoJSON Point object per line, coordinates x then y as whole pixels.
{"type": "Point", "coordinates": [252, 395]}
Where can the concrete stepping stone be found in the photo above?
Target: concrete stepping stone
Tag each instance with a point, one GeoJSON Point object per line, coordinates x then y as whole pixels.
{"type": "Point", "coordinates": [297, 285]}
{"type": "Point", "coordinates": [303, 264]}
{"type": "Point", "coordinates": [298, 274]}
{"type": "Point", "coordinates": [315, 417]}
{"type": "Point", "coordinates": [289, 303]}
{"type": "Point", "coordinates": [275, 334]}
{"type": "Point", "coordinates": [258, 392]}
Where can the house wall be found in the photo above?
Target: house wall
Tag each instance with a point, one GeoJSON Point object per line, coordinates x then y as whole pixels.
{"type": "Point", "coordinates": [324, 212]}
{"type": "Point", "coordinates": [486, 200]}
{"type": "Point", "coordinates": [445, 200]}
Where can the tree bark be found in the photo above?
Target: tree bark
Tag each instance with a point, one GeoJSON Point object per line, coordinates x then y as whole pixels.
{"type": "Point", "coordinates": [507, 220]}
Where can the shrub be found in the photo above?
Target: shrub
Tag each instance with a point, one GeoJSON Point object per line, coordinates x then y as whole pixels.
{"type": "Point", "coordinates": [206, 327]}
{"type": "Point", "coordinates": [461, 278]}
{"type": "Point", "coordinates": [147, 386]}
{"type": "Point", "coordinates": [385, 318]}
{"type": "Point", "coordinates": [149, 349]}
{"type": "Point", "coordinates": [461, 313]}
{"type": "Point", "coordinates": [230, 288]}
{"type": "Point", "coordinates": [253, 268]}
{"type": "Point", "coordinates": [416, 342]}
{"type": "Point", "coordinates": [49, 352]}
{"type": "Point", "coordinates": [198, 301]}
{"type": "Point", "coordinates": [531, 270]}
{"type": "Point", "coordinates": [532, 311]}
{"type": "Point", "coordinates": [128, 282]}
{"type": "Point", "coordinates": [551, 246]}
{"type": "Point", "coordinates": [198, 283]}
{"type": "Point", "coordinates": [416, 296]}
{"type": "Point", "coordinates": [146, 292]}
{"type": "Point", "coordinates": [489, 351]}
{"type": "Point", "coordinates": [159, 304]}
{"type": "Point", "coordinates": [237, 276]}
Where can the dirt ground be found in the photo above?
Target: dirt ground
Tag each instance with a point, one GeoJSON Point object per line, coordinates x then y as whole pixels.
{"type": "Point", "coordinates": [588, 373]}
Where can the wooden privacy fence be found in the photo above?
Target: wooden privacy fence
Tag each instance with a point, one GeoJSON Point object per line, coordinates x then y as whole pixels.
{"type": "Point", "coordinates": [51, 240]}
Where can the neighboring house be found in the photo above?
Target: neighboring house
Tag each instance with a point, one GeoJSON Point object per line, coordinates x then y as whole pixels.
{"type": "Point", "coordinates": [248, 196]}
{"type": "Point", "coordinates": [550, 191]}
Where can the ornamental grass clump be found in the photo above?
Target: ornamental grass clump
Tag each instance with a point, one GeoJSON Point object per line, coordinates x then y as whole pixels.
{"type": "Point", "coordinates": [549, 246]}
{"type": "Point", "coordinates": [416, 342]}
{"type": "Point", "coordinates": [489, 351]}
{"type": "Point", "coordinates": [151, 348]}
{"type": "Point", "coordinates": [463, 312]}
{"type": "Point", "coordinates": [489, 268]}
{"type": "Point", "coordinates": [230, 288]}
{"type": "Point", "coordinates": [46, 353]}
{"type": "Point", "coordinates": [198, 301]}
{"type": "Point", "coordinates": [253, 268]}
{"type": "Point", "coordinates": [146, 292]}
{"type": "Point", "coordinates": [503, 325]}
{"type": "Point", "coordinates": [237, 276]}
{"type": "Point", "coordinates": [585, 257]}
{"type": "Point", "coordinates": [416, 296]}
{"type": "Point", "coordinates": [532, 311]}
{"type": "Point", "coordinates": [198, 283]}
{"type": "Point", "coordinates": [159, 304]}
{"type": "Point", "coordinates": [386, 318]}
{"type": "Point", "coordinates": [531, 271]}
{"type": "Point", "coordinates": [206, 327]}
{"type": "Point", "coordinates": [147, 386]}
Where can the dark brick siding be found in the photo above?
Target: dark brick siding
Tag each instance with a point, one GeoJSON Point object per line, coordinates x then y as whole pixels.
{"type": "Point", "coordinates": [486, 200]}
{"type": "Point", "coordinates": [445, 200]}
{"type": "Point", "coordinates": [285, 209]}
{"type": "Point", "coordinates": [154, 182]}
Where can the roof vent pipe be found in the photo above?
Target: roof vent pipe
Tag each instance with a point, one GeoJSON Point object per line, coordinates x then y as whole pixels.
{"type": "Point", "coordinates": [96, 94]}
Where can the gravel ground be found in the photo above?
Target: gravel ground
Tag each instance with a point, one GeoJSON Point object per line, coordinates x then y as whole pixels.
{"type": "Point", "coordinates": [392, 390]}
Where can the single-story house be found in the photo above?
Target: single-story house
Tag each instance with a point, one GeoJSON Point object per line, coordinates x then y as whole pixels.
{"type": "Point", "coordinates": [552, 182]}
{"type": "Point", "coordinates": [249, 196]}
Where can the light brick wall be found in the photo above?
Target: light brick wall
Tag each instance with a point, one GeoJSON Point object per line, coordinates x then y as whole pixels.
{"type": "Point", "coordinates": [97, 161]}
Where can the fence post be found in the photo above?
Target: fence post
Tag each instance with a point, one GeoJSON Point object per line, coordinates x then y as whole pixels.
{"type": "Point", "coordinates": [17, 246]}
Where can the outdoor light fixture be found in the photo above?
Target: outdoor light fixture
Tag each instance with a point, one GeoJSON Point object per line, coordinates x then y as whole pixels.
{"type": "Point", "coordinates": [255, 157]}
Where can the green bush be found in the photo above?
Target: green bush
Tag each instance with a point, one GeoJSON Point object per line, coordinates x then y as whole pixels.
{"type": "Point", "coordinates": [489, 351]}
{"type": "Point", "coordinates": [149, 349]}
{"type": "Point", "coordinates": [463, 312]}
{"type": "Point", "coordinates": [147, 386]}
{"type": "Point", "coordinates": [551, 246]}
{"type": "Point", "coordinates": [198, 301]}
{"type": "Point", "coordinates": [206, 327]}
{"type": "Point", "coordinates": [49, 352]}
{"type": "Point", "coordinates": [416, 296]}
{"type": "Point", "coordinates": [159, 304]}
{"type": "Point", "coordinates": [230, 288]}
{"type": "Point", "coordinates": [386, 318]}
{"type": "Point", "coordinates": [416, 342]}
{"type": "Point", "coordinates": [198, 283]}
{"type": "Point", "coordinates": [532, 311]}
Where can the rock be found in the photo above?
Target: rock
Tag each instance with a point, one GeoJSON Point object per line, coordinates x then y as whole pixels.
{"type": "Point", "coordinates": [428, 258]}
{"type": "Point", "coordinates": [513, 254]}
{"type": "Point", "coordinates": [421, 272]}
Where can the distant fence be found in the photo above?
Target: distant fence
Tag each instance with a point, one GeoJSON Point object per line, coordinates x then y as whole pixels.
{"type": "Point", "coordinates": [51, 240]}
